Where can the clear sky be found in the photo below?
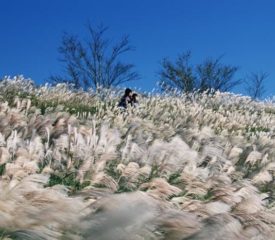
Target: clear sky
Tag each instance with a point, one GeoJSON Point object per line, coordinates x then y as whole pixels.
{"type": "Point", "coordinates": [242, 30]}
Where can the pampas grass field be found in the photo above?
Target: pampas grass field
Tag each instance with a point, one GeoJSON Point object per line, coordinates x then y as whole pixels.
{"type": "Point", "coordinates": [183, 166]}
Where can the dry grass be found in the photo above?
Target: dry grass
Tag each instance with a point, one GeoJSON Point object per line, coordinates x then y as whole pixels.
{"type": "Point", "coordinates": [178, 167]}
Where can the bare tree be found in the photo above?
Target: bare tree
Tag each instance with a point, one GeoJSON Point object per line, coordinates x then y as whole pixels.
{"type": "Point", "coordinates": [255, 84]}
{"type": "Point", "coordinates": [178, 75]}
{"type": "Point", "coordinates": [95, 62]}
{"type": "Point", "coordinates": [211, 74]}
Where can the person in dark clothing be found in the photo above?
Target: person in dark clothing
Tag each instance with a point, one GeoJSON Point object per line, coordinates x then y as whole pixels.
{"type": "Point", "coordinates": [126, 99]}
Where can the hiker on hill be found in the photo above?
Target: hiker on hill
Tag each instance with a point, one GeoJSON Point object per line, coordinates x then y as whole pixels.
{"type": "Point", "coordinates": [134, 100]}
{"type": "Point", "coordinates": [126, 99]}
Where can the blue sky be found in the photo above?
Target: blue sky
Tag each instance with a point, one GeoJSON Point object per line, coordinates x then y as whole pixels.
{"type": "Point", "coordinates": [241, 30]}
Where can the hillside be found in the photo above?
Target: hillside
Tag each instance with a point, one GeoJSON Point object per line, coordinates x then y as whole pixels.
{"type": "Point", "coordinates": [177, 167]}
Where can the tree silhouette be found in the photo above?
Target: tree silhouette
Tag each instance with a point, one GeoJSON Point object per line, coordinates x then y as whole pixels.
{"type": "Point", "coordinates": [255, 84]}
{"type": "Point", "coordinates": [96, 62]}
{"type": "Point", "coordinates": [210, 74]}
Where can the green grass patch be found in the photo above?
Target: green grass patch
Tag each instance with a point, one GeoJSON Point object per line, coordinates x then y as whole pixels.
{"type": "Point", "coordinates": [256, 129]}
{"type": "Point", "coordinates": [123, 186]}
{"type": "Point", "coordinates": [110, 169]}
{"type": "Point", "coordinates": [202, 198]}
{"type": "Point", "coordinates": [174, 178]}
{"type": "Point", "coordinates": [2, 168]}
{"type": "Point", "coordinates": [69, 180]}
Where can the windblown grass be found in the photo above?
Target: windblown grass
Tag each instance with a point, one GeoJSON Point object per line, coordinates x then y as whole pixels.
{"type": "Point", "coordinates": [73, 166]}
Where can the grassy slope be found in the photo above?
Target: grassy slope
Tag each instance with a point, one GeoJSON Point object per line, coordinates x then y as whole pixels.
{"type": "Point", "coordinates": [73, 167]}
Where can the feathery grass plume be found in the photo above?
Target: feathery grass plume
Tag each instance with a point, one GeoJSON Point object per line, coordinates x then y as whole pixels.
{"type": "Point", "coordinates": [145, 171]}
{"type": "Point", "coordinates": [250, 201]}
{"type": "Point", "coordinates": [226, 194]}
{"type": "Point", "coordinates": [172, 155]}
{"type": "Point", "coordinates": [219, 227]}
{"type": "Point", "coordinates": [160, 188]}
{"type": "Point", "coordinates": [218, 207]}
{"type": "Point", "coordinates": [175, 225]}
{"type": "Point", "coordinates": [95, 150]}
{"type": "Point", "coordinates": [101, 179]}
{"type": "Point", "coordinates": [235, 154]}
{"type": "Point", "coordinates": [197, 189]}
{"type": "Point", "coordinates": [253, 157]}
{"type": "Point", "coordinates": [192, 172]}
{"type": "Point", "coordinates": [262, 177]}
{"type": "Point", "coordinates": [39, 212]}
{"type": "Point", "coordinates": [131, 175]}
{"type": "Point", "coordinates": [4, 155]}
